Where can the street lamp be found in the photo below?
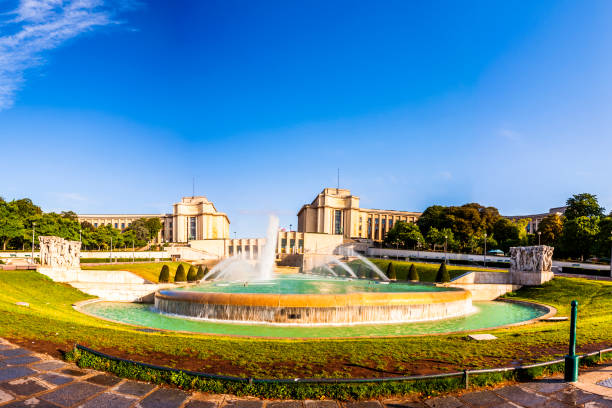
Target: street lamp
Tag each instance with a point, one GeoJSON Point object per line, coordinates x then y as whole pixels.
{"type": "Point", "coordinates": [445, 253]}
{"type": "Point", "coordinates": [485, 250]}
{"type": "Point", "coordinates": [33, 227]}
{"type": "Point", "coordinates": [539, 235]}
{"type": "Point", "coordinates": [111, 250]}
{"type": "Point", "coordinates": [290, 225]}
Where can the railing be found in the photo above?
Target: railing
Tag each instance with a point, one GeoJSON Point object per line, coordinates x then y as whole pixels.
{"type": "Point", "coordinates": [465, 373]}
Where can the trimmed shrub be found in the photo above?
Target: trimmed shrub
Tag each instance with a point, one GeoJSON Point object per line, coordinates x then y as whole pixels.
{"type": "Point", "coordinates": [442, 275]}
{"type": "Point", "coordinates": [180, 276]}
{"type": "Point", "coordinates": [164, 275]}
{"type": "Point", "coordinates": [192, 275]}
{"type": "Point", "coordinates": [201, 273]}
{"type": "Point", "coordinates": [413, 275]}
{"type": "Point", "coordinates": [361, 272]}
{"type": "Point", "coordinates": [391, 271]}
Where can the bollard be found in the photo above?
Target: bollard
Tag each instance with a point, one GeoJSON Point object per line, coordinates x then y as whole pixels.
{"type": "Point", "coordinates": [571, 360]}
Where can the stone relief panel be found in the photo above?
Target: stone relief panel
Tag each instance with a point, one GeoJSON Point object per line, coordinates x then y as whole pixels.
{"type": "Point", "coordinates": [532, 259]}
{"type": "Point", "coordinates": [56, 252]}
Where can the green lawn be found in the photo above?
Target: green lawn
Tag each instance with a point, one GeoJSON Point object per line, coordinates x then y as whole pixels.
{"type": "Point", "coordinates": [149, 271]}
{"type": "Point", "coordinates": [51, 320]}
{"type": "Point", "coordinates": [427, 271]}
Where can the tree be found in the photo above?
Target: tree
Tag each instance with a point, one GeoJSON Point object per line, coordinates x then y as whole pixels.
{"type": "Point", "coordinates": [437, 238]}
{"type": "Point", "coordinates": [603, 240]}
{"type": "Point", "coordinates": [405, 233]}
{"type": "Point", "coordinates": [11, 226]}
{"type": "Point", "coordinates": [579, 235]}
{"type": "Point", "coordinates": [583, 205]}
{"type": "Point", "coordinates": [391, 271]}
{"type": "Point", "coordinates": [506, 233]}
{"type": "Point", "coordinates": [154, 226]}
{"type": "Point", "coordinates": [180, 275]}
{"type": "Point", "coordinates": [164, 275]}
{"type": "Point", "coordinates": [442, 275]}
{"type": "Point", "coordinates": [192, 274]}
{"type": "Point", "coordinates": [435, 216]}
{"type": "Point", "coordinates": [550, 229]}
{"type": "Point", "coordinates": [201, 273]}
{"type": "Point", "coordinates": [412, 273]}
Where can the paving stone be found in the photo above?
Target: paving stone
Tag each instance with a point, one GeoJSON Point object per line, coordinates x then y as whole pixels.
{"type": "Point", "coordinates": [104, 379]}
{"type": "Point", "coordinates": [74, 372]}
{"type": "Point", "coordinates": [574, 396]}
{"type": "Point", "coordinates": [521, 397]}
{"type": "Point", "coordinates": [5, 397]}
{"type": "Point", "coordinates": [137, 389]}
{"type": "Point", "coordinates": [363, 404]}
{"type": "Point", "coordinates": [546, 387]}
{"type": "Point", "coordinates": [31, 403]}
{"type": "Point", "coordinates": [55, 379]}
{"type": "Point", "coordinates": [71, 394]}
{"type": "Point", "coordinates": [320, 404]}
{"type": "Point", "coordinates": [444, 402]}
{"type": "Point", "coordinates": [286, 404]}
{"type": "Point", "coordinates": [14, 352]}
{"type": "Point", "coordinates": [404, 404]}
{"type": "Point", "coordinates": [24, 386]}
{"type": "Point", "coordinates": [15, 372]}
{"type": "Point", "coordinates": [48, 365]}
{"type": "Point", "coordinates": [600, 402]}
{"type": "Point", "coordinates": [20, 360]}
{"type": "Point", "coordinates": [164, 398]}
{"type": "Point", "coordinates": [108, 400]}
{"type": "Point", "coordinates": [201, 404]}
{"type": "Point", "coordinates": [482, 399]}
{"type": "Point", "coordinates": [4, 346]}
{"type": "Point", "coordinates": [243, 404]}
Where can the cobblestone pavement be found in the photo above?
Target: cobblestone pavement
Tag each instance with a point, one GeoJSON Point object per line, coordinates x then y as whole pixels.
{"type": "Point", "coordinates": [31, 380]}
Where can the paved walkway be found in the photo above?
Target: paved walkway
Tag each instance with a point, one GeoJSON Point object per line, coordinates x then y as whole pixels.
{"type": "Point", "coordinates": [31, 380]}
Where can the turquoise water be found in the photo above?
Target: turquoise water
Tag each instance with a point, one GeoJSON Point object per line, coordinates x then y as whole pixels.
{"type": "Point", "coordinates": [309, 284]}
{"type": "Point", "coordinates": [487, 315]}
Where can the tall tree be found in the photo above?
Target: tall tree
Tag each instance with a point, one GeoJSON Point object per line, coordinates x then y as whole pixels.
{"type": "Point", "coordinates": [11, 226]}
{"type": "Point", "coordinates": [579, 236]}
{"type": "Point", "coordinates": [154, 226]}
{"type": "Point", "coordinates": [406, 234]}
{"type": "Point", "coordinates": [550, 229]}
{"type": "Point", "coordinates": [583, 205]}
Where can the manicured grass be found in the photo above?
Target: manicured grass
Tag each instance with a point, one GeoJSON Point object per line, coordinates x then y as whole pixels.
{"type": "Point", "coordinates": [427, 271]}
{"type": "Point", "coordinates": [50, 319]}
{"type": "Point", "coordinates": [149, 271]}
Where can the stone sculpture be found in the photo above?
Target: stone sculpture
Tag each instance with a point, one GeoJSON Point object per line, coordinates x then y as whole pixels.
{"type": "Point", "coordinates": [56, 252]}
{"type": "Point", "coordinates": [531, 265]}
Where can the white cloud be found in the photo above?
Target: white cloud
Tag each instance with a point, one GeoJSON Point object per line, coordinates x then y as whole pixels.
{"type": "Point", "coordinates": [510, 134]}
{"type": "Point", "coordinates": [37, 26]}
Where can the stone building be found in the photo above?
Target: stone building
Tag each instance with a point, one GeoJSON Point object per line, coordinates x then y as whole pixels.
{"type": "Point", "coordinates": [193, 218]}
{"type": "Point", "coordinates": [532, 227]}
{"type": "Point", "coordinates": [337, 211]}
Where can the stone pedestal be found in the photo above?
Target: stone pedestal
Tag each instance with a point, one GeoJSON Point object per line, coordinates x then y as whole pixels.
{"type": "Point", "coordinates": [531, 266]}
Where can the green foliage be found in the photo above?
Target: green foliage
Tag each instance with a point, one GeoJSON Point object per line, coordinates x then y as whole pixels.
{"type": "Point", "coordinates": [11, 224]}
{"type": "Point", "coordinates": [164, 275]}
{"type": "Point", "coordinates": [550, 229]}
{"type": "Point", "coordinates": [153, 226]}
{"type": "Point", "coordinates": [391, 271]}
{"type": "Point", "coordinates": [405, 234]}
{"type": "Point", "coordinates": [442, 276]}
{"type": "Point", "coordinates": [201, 273]}
{"type": "Point", "coordinates": [583, 205]}
{"type": "Point", "coordinates": [180, 275]}
{"type": "Point", "coordinates": [192, 274]}
{"type": "Point", "coordinates": [413, 275]}
{"type": "Point", "coordinates": [507, 234]}
{"type": "Point", "coordinates": [361, 272]}
{"type": "Point", "coordinates": [579, 236]}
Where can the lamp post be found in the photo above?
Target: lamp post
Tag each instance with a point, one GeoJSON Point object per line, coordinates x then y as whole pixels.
{"type": "Point", "coordinates": [611, 254]}
{"type": "Point", "coordinates": [539, 235]}
{"type": "Point", "coordinates": [290, 225]}
{"type": "Point", "coordinates": [397, 249]}
{"type": "Point", "coordinates": [133, 253]}
{"type": "Point", "coordinates": [485, 250]}
{"type": "Point", "coordinates": [445, 253]}
{"type": "Point", "coordinates": [111, 251]}
{"type": "Point", "coordinates": [571, 360]}
{"type": "Point", "coordinates": [33, 227]}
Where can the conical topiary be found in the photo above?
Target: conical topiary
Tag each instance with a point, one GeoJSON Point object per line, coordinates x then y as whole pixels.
{"type": "Point", "coordinates": [164, 275]}
{"type": "Point", "coordinates": [180, 276]}
{"type": "Point", "coordinates": [391, 271]}
{"type": "Point", "coordinates": [361, 272]}
{"type": "Point", "coordinates": [412, 273]}
{"type": "Point", "coordinates": [192, 274]}
{"type": "Point", "coordinates": [201, 273]}
{"type": "Point", "coordinates": [442, 275]}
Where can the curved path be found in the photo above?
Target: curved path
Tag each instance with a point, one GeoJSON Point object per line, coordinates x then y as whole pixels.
{"type": "Point", "coordinates": [31, 380]}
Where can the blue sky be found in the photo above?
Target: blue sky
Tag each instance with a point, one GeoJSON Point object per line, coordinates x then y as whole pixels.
{"type": "Point", "coordinates": [115, 106]}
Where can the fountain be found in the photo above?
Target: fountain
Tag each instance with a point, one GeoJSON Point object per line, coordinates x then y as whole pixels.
{"type": "Point", "coordinates": [238, 290]}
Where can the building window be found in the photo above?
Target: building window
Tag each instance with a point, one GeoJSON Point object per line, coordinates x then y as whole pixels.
{"type": "Point", "coordinates": [96, 224]}
{"type": "Point", "coordinates": [231, 250]}
{"type": "Point", "coordinates": [390, 223]}
{"type": "Point", "coordinates": [369, 227]}
{"type": "Point", "coordinates": [384, 225]}
{"type": "Point", "coordinates": [284, 243]}
{"type": "Point", "coordinates": [376, 227]}
{"type": "Point", "coordinates": [192, 228]}
{"type": "Point", "coordinates": [116, 225]}
{"type": "Point", "coordinates": [301, 245]}
{"type": "Point", "coordinates": [337, 222]}
{"type": "Point", "coordinates": [291, 243]}
{"type": "Point", "coordinates": [123, 225]}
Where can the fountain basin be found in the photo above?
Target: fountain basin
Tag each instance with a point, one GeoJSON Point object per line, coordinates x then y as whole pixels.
{"type": "Point", "coordinates": [371, 303]}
